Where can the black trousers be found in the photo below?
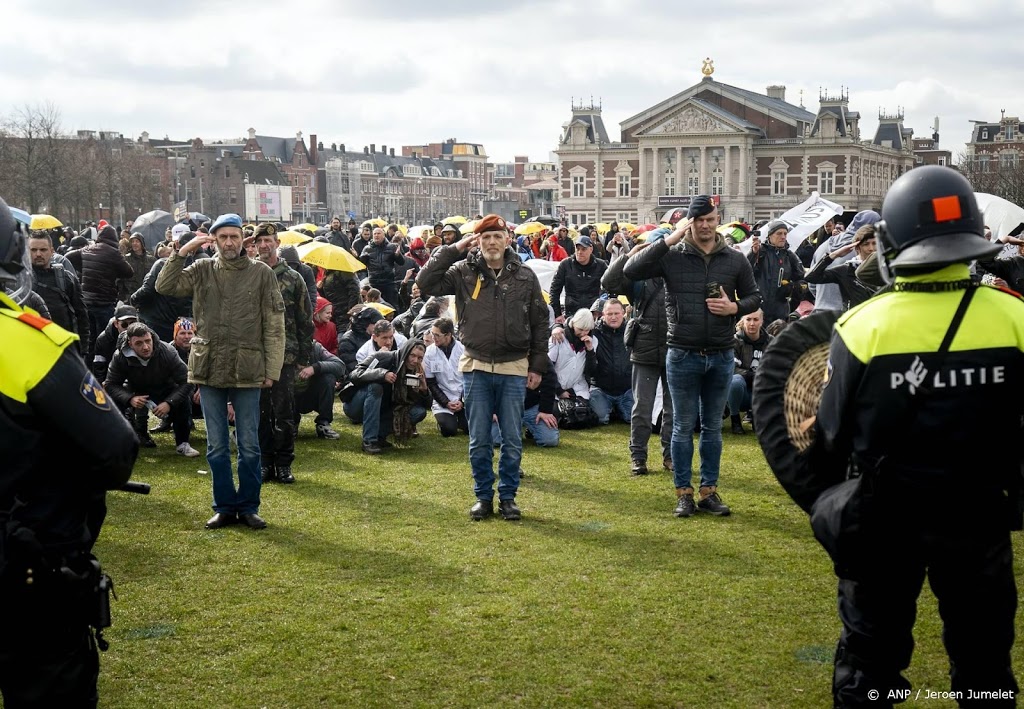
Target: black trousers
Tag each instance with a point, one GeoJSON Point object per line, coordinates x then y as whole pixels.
{"type": "Point", "coordinates": [181, 419]}
{"type": "Point", "coordinates": [318, 396]}
{"type": "Point", "coordinates": [277, 420]}
{"type": "Point", "coordinates": [450, 424]}
{"type": "Point", "coordinates": [970, 569]}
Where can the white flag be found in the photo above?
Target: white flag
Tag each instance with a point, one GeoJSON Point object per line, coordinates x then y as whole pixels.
{"type": "Point", "coordinates": [803, 219]}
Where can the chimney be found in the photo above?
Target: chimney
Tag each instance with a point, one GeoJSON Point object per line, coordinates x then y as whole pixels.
{"type": "Point", "coordinates": [145, 137]}
{"type": "Point", "coordinates": [392, 152]}
{"type": "Point", "coordinates": [383, 149]}
{"type": "Point", "coordinates": [776, 91]}
{"type": "Point", "coordinates": [313, 148]}
{"type": "Point", "coordinates": [252, 134]}
{"type": "Point", "coordinates": [342, 149]}
{"type": "Point", "coordinates": [373, 147]}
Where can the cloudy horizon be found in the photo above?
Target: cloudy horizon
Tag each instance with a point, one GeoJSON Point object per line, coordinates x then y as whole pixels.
{"type": "Point", "coordinates": [407, 73]}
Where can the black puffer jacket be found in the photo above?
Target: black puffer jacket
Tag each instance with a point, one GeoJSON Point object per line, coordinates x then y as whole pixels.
{"type": "Point", "coordinates": [749, 353]}
{"type": "Point", "coordinates": [164, 377]}
{"type": "Point", "coordinates": [614, 373]}
{"type": "Point", "coordinates": [140, 263]}
{"type": "Point", "coordinates": [582, 284]}
{"type": "Point", "coordinates": [103, 350]}
{"type": "Point", "coordinates": [342, 289]}
{"type": "Point", "coordinates": [1010, 270]}
{"type": "Point", "coordinates": [102, 266]}
{"type": "Point", "coordinates": [381, 261]}
{"type": "Point", "coordinates": [687, 272]}
{"type": "Point", "coordinates": [650, 346]}
{"type": "Point", "coordinates": [348, 344]}
{"type": "Point", "coordinates": [157, 310]}
{"type": "Point", "coordinates": [775, 296]}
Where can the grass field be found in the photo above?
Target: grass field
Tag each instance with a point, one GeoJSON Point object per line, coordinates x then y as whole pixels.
{"type": "Point", "coordinates": [371, 587]}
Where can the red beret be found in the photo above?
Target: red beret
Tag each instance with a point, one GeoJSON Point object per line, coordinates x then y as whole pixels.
{"type": "Point", "coordinates": [492, 222]}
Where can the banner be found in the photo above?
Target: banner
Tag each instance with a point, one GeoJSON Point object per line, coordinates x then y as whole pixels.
{"type": "Point", "coordinates": [180, 211]}
{"type": "Point", "coordinates": [803, 219]}
{"type": "Point", "coordinates": [268, 204]}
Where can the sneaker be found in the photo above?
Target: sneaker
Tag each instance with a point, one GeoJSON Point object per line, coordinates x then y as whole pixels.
{"type": "Point", "coordinates": [324, 430]}
{"type": "Point", "coordinates": [187, 450]}
{"type": "Point", "coordinates": [372, 448]}
{"type": "Point", "coordinates": [284, 474]}
{"type": "Point", "coordinates": [638, 467]}
{"type": "Point", "coordinates": [481, 510]}
{"type": "Point", "coordinates": [684, 504]}
{"type": "Point", "coordinates": [509, 511]}
{"type": "Point", "coordinates": [711, 502]}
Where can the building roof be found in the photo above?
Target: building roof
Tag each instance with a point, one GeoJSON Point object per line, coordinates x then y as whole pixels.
{"type": "Point", "coordinates": [794, 112]}
{"type": "Point", "coordinates": [384, 162]}
{"type": "Point", "coordinates": [725, 115]}
{"type": "Point", "coordinates": [890, 131]}
{"type": "Point", "coordinates": [260, 172]}
{"type": "Point", "coordinates": [841, 115]}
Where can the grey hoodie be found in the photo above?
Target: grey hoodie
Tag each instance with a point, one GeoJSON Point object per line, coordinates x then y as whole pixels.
{"type": "Point", "coordinates": [827, 296]}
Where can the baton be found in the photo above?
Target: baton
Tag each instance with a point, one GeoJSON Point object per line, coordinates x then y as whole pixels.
{"type": "Point", "coordinates": [137, 488]}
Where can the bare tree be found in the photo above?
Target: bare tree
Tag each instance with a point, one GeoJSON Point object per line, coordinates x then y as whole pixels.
{"type": "Point", "coordinates": [993, 175]}
{"type": "Point", "coordinates": [30, 156]}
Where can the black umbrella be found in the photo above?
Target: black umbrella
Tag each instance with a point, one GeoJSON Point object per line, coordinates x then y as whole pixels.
{"type": "Point", "coordinates": [545, 219]}
{"type": "Point", "coordinates": [153, 226]}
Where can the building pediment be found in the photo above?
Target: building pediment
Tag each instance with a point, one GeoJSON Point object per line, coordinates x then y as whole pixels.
{"type": "Point", "coordinates": [689, 120]}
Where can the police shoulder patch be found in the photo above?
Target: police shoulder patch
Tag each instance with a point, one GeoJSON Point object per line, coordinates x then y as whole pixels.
{"type": "Point", "coordinates": [93, 392]}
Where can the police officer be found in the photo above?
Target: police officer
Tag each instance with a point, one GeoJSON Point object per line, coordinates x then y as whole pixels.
{"type": "Point", "coordinates": [925, 381]}
{"type": "Point", "coordinates": [64, 445]}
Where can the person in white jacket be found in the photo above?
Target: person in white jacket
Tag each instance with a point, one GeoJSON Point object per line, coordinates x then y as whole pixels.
{"type": "Point", "coordinates": [574, 356]}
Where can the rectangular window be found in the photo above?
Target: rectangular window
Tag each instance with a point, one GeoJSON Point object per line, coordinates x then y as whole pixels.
{"type": "Point", "coordinates": [827, 182]}
{"type": "Point", "coordinates": [942, 160]}
{"type": "Point", "coordinates": [693, 184]}
{"type": "Point", "coordinates": [717, 183]}
{"type": "Point", "coordinates": [983, 161]}
{"type": "Point", "coordinates": [232, 195]}
{"type": "Point", "coordinates": [578, 218]}
{"type": "Point", "coordinates": [578, 185]}
{"type": "Point", "coordinates": [623, 217]}
{"type": "Point", "coordinates": [779, 182]}
{"type": "Point", "coordinates": [1008, 160]}
{"type": "Point", "coordinates": [1009, 132]}
{"type": "Point", "coordinates": [624, 185]}
{"type": "Point", "coordinates": [670, 185]}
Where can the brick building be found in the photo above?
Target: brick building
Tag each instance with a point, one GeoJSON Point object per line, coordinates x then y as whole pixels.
{"type": "Point", "coordinates": [759, 154]}
{"type": "Point", "coordinates": [996, 145]}
{"type": "Point", "coordinates": [470, 158]}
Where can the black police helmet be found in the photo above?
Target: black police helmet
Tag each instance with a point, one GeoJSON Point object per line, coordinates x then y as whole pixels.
{"type": "Point", "coordinates": [931, 219]}
{"type": "Point", "coordinates": [12, 242]}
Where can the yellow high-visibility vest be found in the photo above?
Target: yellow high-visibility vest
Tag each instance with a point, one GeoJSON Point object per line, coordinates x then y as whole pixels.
{"type": "Point", "coordinates": [29, 347]}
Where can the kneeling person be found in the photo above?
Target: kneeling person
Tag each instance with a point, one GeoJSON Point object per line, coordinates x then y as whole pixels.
{"type": "Point", "coordinates": [441, 364]}
{"type": "Point", "coordinates": [390, 394]}
{"type": "Point", "coordinates": [145, 371]}
{"type": "Point", "coordinates": [314, 390]}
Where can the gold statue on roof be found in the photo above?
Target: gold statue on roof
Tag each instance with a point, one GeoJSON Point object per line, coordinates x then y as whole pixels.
{"type": "Point", "coordinates": [708, 68]}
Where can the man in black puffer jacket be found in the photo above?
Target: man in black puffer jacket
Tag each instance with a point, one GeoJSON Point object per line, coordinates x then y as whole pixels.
{"type": "Point", "coordinates": [147, 375]}
{"type": "Point", "coordinates": [100, 265]}
{"type": "Point", "coordinates": [580, 277]}
{"type": "Point", "coordinates": [357, 336]}
{"type": "Point", "coordinates": [707, 286]}
{"type": "Point", "coordinates": [648, 357]}
{"type": "Point", "coordinates": [610, 386]}
{"type": "Point", "coordinates": [381, 259]}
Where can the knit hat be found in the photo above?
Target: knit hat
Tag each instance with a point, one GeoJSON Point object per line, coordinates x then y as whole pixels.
{"type": "Point", "coordinates": [433, 241]}
{"type": "Point", "coordinates": [366, 316]}
{"type": "Point", "coordinates": [321, 303]}
{"type": "Point", "coordinates": [417, 243]}
{"type": "Point", "coordinates": [492, 222]}
{"type": "Point", "coordinates": [773, 226]}
{"type": "Point", "coordinates": [289, 253]}
{"type": "Point", "coordinates": [226, 220]}
{"type": "Point", "coordinates": [183, 324]}
{"type": "Point", "coordinates": [108, 234]}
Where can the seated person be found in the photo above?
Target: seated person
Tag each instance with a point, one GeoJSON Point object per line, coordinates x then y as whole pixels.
{"type": "Point", "coordinates": [611, 383]}
{"type": "Point", "coordinates": [441, 364]}
{"type": "Point", "coordinates": [750, 342]}
{"type": "Point", "coordinates": [390, 393]}
{"type": "Point", "coordinates": [351, 341]}
{"type": "Point", "coordinates": [574, 357]}
{"type": "Point", "coordinates": [315, 385]}
{"type": "Point", "coordinates": [384, 337]}
{"type": "Point", "coordinates": [147, 374]}
{"type": "Point", "coordinates": [539, 417]}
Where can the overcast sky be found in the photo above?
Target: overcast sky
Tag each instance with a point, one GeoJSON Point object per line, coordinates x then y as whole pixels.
{"type": "Point", "coordinates": [399, 72]}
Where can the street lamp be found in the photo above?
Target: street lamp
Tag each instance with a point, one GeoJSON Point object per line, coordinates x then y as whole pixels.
{"type": "Point", "coordinates": [416, 198]}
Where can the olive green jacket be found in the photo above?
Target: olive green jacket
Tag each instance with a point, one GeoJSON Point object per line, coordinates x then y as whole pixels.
{"type": "Point", "coordinates": [239, 316]}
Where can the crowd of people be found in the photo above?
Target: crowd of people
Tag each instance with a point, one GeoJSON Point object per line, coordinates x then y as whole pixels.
{"type": "Point", "coordinates": [657, 328]}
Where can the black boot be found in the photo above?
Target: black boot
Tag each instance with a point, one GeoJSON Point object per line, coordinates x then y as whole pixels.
{"type": "Point", "coordinates": [737, 424]}
{"type": "Point", "coordinates": [284, 474]}
{"type": "Point", "coordinates": [269, 473]}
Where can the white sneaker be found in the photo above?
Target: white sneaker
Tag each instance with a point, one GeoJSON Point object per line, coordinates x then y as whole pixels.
{"type": "Point", "coordinates": [188, 451]}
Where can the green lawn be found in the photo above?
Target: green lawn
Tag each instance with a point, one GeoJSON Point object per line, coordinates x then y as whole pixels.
{"type": "Point", "coordinates": [371, 587]}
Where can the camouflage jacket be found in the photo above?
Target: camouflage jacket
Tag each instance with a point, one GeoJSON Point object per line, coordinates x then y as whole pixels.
{"type": "Point", "coordinates": [298, 319]}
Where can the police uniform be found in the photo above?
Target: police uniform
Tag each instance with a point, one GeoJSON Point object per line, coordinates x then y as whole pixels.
{"type": "Point", "coordinates": [924, 399]}
{"type": "Point", "coordinates": [64, 444]}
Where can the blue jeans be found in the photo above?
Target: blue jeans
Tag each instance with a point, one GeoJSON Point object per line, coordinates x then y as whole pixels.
{"type": "Point", "coordinates": [368, 407]}
{"type": "Point", "coordinates": [698, 385]}
{"type": "Point", "coordinates": [739, 395]}
{"type": "Point", "coordinates": [602, 404]}
{"type": "Point", "coordinates": [542, 435]}
{"type": "Point", "coordinates": [487, 395]}
{"type": "Point", "coordinates": [226, 499]}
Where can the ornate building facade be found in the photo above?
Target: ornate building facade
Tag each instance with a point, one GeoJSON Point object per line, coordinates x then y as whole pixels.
{"type": "Point", "coordinates": [756, 153]}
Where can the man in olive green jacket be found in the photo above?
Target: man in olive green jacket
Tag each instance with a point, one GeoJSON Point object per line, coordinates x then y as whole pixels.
{"type": "Point", "coordinates": [237, 350]}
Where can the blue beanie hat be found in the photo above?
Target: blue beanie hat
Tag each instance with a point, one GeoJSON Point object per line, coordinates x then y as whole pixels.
{"type": "Point", "coordinates": [226, 220]}
{"type": "Point", "coordinates": [699, 206]}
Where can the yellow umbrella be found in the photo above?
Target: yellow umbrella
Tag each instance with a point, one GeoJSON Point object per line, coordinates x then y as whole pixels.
{"type": "Point", "coordinates": [627, 227]}
{"type": "Point", "coordinates": [602, 227]}
{"type": "Point", "coordinates": [456, 220]}
{"type": "Point", "coordinates": [666, 225]}
{"type": "Point", "coordinates": [374, 222]}
{"type": "Point", "coordinates": [530, 228]}
{"type": "Point", "coordinates": [308, 226]}
{"type": "Point", "coordinates": [292, 238]}
{"type": "Point", "coordinates": [468, 227]}
{"type": "Point", "coordinates": [422, 231]}
{"type": "Point", "coordinates": [329, 256]}
{"type": "Point", "coordinates": [403, 228]}
{"type": "Point", "coordinates": [44, 221]}
{"type": "Point", "coordinates": [381, 308]}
